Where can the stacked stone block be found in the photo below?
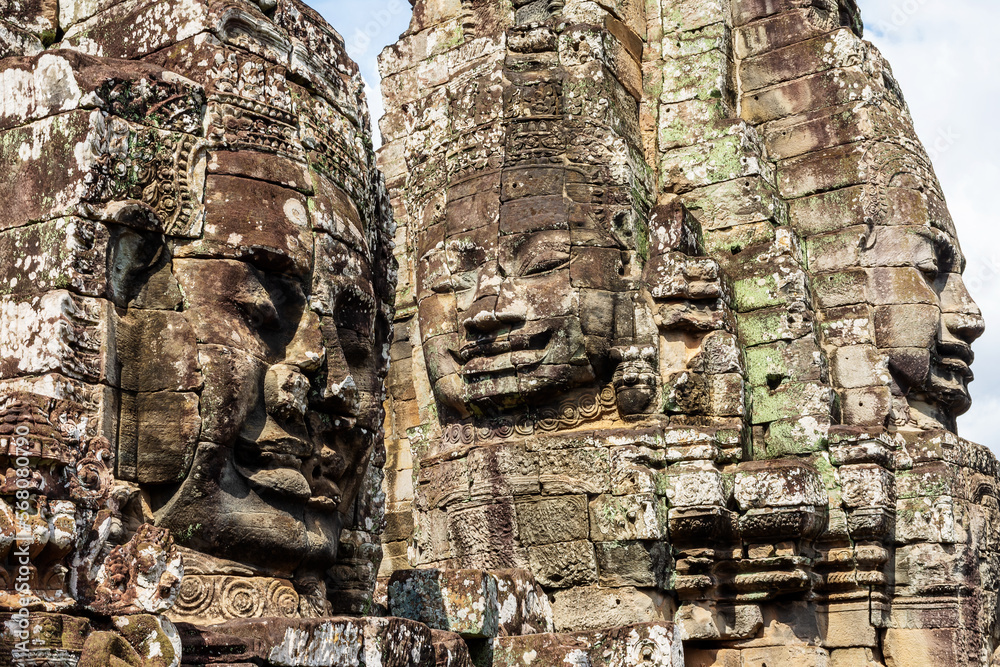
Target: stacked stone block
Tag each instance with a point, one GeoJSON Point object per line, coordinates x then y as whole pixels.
{"type": "Point", "coordinates": [160, 159]}
{"type": "Point", "coordinates": [799, 258]}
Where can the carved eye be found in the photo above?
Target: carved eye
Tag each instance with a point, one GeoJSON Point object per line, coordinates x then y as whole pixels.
{"type": "Point", "coordinates": [260, 314]}
{"type": "Point", "coordinates": [549, 260]}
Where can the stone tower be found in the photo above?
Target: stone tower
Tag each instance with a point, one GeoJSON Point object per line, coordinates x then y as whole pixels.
{"type": "Point", "coordinates": [681, 329]}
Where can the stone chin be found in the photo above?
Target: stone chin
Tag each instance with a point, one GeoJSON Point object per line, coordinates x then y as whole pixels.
{"type": "Point", "coordinates": [218, 511]}
{"type": "Point", "coordinates": [948, 387]}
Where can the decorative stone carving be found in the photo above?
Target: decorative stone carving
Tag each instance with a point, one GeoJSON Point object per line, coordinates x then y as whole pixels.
{"type": "Point", "coordinates": [196, 318]}
{"type": "Point", "coordinates": [762, 273]}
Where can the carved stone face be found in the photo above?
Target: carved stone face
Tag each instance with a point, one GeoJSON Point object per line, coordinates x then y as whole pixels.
{"type": "Point", "coordinates": [231, 340]}
{"type": "Point", "coordinates": [517, 334]}
{"type": "Point", "coordinates": [523, 260]}
{"type": "Point", "coordinates": [928, 334]}
{"type": "Point", "coordinates": [289, 407]}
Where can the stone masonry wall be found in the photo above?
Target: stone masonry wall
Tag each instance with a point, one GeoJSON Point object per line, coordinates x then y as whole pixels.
{"type": "Point", "coordinates": [796, 494]}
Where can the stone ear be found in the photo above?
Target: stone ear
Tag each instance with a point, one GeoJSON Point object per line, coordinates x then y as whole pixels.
{"type": "Point", "coordinates": [133, 257]}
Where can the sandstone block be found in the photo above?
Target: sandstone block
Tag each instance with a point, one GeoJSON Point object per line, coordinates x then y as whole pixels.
{"type": "Point", "coordinates": [773, 324]}
{"type": "Point", "coordinates": [839, 48]}
{"type": "Point", "coordinates": [846, 626]}
{"type": "Point", "coordinates": [633, 563]}
{"type": "Point", "coordinates": [865, 406]}
{"type": "Point", "coordinates": [552, 520]}
{"type": "Point", "coordinates": [592, 608]}
{"type": "Point", "coordinates": [564, 564]}
{"type": "Point", "coordinates": [853, 657]}
{"type": "Point", "coordinates": [792, 656]}
{"type": "Point", "coordinates": [866, 485]}
{"type": "Point", "coordinates": [893, 326]}
{"type": "Point", "coordinates": [653, 644]}
{"type": "Point", "coordinates": [854, 366]}
{"type": "Point", "coordinates": [782, 483]}
{"type": "Point", "coordinates": [780, 30]}
{"type": "Point", "coordinates": [738, 202]}
{"type": "Point", "coordinates": [920, 647]}
{"type": "Point", "coordinates": [695, 483]}
{"type": "Point", "coordinates": [707, 621]}
{"type": "Point", "coordinates": [484, 536]}
{"type": "Point", "coordinates": [393, 642]}
{"type": "Point", "coordinates": [788, 400]}
{"type": "Point", "coordinates": [769, 290]}
{"type": "Point", "coordinates": [726, 159]}
{"type": "Point", "coordinates": [635, 517]}
{"type": "Point", "coordinates": [634, 469]}
{"type": "Point", "coordinates": [502, 470]}
{"type": "Point", "coordinates": [701, 76]}
{"type": "Point", "coordinates": [848, 326]}
{"type": "Point", "coordinates": [584, 470]}
{"type": "Point", "coordinates": [795, 361]}
{"type": "Point", "coordinates": [927, 519]}
{"type": "Point", "coordinates": [830, 88]}
{"type": "Point", "coordinates": [166, 434]}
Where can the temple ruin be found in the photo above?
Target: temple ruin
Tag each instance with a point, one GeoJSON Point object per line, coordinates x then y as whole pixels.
{"type": "Point", "coordinates": [640, 342]}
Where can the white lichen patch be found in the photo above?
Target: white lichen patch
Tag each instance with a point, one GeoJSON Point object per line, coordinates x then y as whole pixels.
{"type": "Point", "coordinates": [58, 333]}
{"type": "Point", "coordinates": [49, 88]}
{"type": "Point", "coordinates": [329, 645]}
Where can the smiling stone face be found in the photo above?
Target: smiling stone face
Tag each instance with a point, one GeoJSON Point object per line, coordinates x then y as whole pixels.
{"type": "Point", "coordinates": [527, 258]}
{"type": "Point", "coordinates": [928, 338]}
{"type": "Point", "coordinates": [517, 334]}
{"type": "Point", "coordinates": [286, 300]}
{"type": "Point", "coordinates": [289, 406]}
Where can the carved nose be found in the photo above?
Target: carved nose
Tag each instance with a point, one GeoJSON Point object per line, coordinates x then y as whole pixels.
{"type": "Point", "coordinates": [489, 280]}
{"type": "Point", "coordinates": [286, 392]}
{"type": "Point", "coordinates": [965, 326]}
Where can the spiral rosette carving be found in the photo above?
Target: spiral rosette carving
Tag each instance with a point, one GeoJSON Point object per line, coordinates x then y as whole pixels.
{"type": "Point", "coordinates": [589, 407]}
{"type": "Point", "coordinates": [607, 397]}
{"type": "Point", "coordinates": [548, 419]}
{"type": "Point", "coordinates": [452, 434]}
{"type": "Point", "coordinates": [570, 413]}
{"type": "Point", "coordinates": [523, 426]}
{"type": "Point", "coordinates": [196, 597]}
{"type": "Point", "coordinates": [241, 599]}
{"type": "Point", "coordinates": [208, 598]}
{"type": "Point", "coordinates": [503, 429]}
{"type": "Point", "coordinates": [282, 599]}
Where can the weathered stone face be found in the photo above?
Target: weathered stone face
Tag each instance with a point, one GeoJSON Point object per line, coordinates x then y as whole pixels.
{"type": "Point", "coordinates": [520, 255]}
{"type": "Point", "coordinates": [757, 438]}
{"type": "Point", "coordinates": [936, 373]}
{"type": "Point", "coordinates": [518, 331]}
{"type": "Point", "coordinates": [196, 308]}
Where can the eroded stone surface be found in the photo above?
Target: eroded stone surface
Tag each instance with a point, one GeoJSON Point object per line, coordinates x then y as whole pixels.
{"type": "Point", "coordinates": [196, 285]}
{"type": "Point", "coordinates": [708, 406]}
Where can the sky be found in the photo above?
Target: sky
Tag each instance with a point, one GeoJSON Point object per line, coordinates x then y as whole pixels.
{"type": "Point", "coordinates": [944, 55]}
